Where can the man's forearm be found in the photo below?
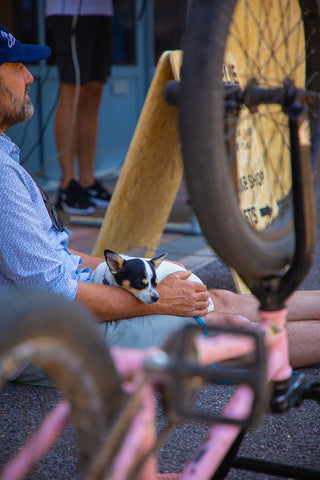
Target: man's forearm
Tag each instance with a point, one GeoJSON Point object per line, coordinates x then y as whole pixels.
{"type": "Point", "coordinates": [88, 260]}
{"type": "Point", "coordinates": [112, 303]}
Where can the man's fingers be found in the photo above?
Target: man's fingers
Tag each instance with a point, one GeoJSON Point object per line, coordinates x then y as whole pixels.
{"type": "Point", "coordinates": [185, 274]}
{"type": "Point", "coordinates": [200, 313]}
{"type": "Point", "coordinates": [198, 295]}
{"type": "Point", "coordinates": [182, 274]}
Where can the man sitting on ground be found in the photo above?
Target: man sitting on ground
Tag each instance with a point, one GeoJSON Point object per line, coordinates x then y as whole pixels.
{"type": "Point", "coordinates": [34, 250]}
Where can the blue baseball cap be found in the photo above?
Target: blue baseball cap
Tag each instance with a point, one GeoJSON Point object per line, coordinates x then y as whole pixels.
{"type": "Point", "coordinates": [12, 51]}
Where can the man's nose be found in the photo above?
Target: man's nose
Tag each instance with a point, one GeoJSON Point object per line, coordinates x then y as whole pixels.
{"type": "Point", "coordinates": [28, 77]}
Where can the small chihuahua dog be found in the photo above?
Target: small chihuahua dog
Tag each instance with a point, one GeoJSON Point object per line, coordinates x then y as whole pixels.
{"type": "Point", "coordinates": [139, 276]}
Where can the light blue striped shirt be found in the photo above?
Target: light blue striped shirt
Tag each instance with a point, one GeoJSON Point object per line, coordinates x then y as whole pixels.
{"type": "Point", "coordinates": [32, 252]}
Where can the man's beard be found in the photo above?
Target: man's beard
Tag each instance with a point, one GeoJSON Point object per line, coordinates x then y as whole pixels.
{"type": "Point", "coordinates": [14, 111]}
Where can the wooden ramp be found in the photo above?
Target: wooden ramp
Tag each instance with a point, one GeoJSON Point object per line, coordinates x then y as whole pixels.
{"type": "Point", "coordinates": [151, 174]}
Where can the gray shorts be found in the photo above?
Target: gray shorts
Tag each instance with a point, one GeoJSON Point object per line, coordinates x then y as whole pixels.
{"type": "Point", "coordinates": [138, 332]}
{"type": "Point", "coordinates": [141, 332]}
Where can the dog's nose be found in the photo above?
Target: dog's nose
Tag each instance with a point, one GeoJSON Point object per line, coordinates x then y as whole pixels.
{"type": "Point", "coordinates": [154, 297]}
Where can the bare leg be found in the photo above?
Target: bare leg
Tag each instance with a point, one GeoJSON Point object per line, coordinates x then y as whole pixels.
{"type": "Point", "coordinates": [303, 320]}
{"type": "Point", "coordinates": [88, 118]}
{"type": "Point", "coordinates": [304, 342]}
{"type": "Point", "coordinates": [65, 137]}
{"type": "Point", "coordinates": [302, 305]}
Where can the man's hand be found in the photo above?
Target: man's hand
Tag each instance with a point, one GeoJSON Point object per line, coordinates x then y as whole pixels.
{"type": "Point", "coordinates": [178, 296]}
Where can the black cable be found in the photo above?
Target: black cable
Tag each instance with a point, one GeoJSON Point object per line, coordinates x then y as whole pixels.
{"type": "Point", "coordinates": [142, 10]}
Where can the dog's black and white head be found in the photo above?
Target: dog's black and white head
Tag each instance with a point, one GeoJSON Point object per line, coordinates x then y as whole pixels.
{"type": "Point", "coordinates": [137, 275]}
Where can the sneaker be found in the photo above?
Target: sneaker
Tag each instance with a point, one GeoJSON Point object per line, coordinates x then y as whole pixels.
{"type": "Point", "coordinates": [98, 195]}
{"type": "Point", "coordinates": [74, 200]}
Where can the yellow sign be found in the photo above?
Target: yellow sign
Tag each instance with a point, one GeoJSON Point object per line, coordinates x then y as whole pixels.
{"type": "Point", "coordinates": [261, 49]}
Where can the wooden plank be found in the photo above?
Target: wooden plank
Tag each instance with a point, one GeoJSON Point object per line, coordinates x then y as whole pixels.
{"type": "Point", "coordinates": [150, 176]}
{"type": "Point", "coordinates": [241, 287]}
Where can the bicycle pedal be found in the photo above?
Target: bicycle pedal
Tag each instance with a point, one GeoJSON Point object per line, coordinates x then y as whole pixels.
{"type": "Point", "coordinates": [187, 377]}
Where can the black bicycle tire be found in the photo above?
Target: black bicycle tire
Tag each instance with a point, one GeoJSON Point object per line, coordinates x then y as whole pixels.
{"type": "Point", "coordinates": [40, 319]}
{"type": "Point", "coordinates": [201, 105]}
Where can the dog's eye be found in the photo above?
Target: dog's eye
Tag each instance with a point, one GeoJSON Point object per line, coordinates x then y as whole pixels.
{"type": "Point", "coordinates": [154, 280]}
{"type": "Point", "coordinates": [140, 284]}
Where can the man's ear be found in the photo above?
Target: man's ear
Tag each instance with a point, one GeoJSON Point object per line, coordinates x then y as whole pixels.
{"type": "Point", "coordinates": [156, 261]}
{"type": "Point", "coordinates": [114, 261]}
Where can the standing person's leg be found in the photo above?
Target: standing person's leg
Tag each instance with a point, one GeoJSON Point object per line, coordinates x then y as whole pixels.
{"type": "Point", "coordinates": [88, 123]}
{"type": "Point", "coordinates": [71, 198]}
{"type": "Point", "coordinates": [98, 73]}
{"type": "Point", "coordinates": [65, 133]}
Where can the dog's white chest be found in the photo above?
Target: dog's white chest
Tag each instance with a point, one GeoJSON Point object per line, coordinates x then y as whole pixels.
{"type": "Point", "coordinates": [102, 274]}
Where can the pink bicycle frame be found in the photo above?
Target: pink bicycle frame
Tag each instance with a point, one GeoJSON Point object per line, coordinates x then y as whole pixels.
{"type": "Point", "coordinates": [221, 437]}
{"type": "Point", "coordinates": [140, 438]}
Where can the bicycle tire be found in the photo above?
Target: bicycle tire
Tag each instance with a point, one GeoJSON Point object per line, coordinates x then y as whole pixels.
{"type": "Point", "coordinates": [253, 253]}
{"type": "Point", "coordinates": [59, 337]}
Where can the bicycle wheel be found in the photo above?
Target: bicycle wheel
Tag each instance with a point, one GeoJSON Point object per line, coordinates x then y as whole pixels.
{"type": "Point", "coordinates": [238, 164]}
{"type": "Point", "coordinates": [59, 337]}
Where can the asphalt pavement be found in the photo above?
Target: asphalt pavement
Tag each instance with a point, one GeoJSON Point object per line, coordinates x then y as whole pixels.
{"type": "Point", "coordinates": [292, 437]}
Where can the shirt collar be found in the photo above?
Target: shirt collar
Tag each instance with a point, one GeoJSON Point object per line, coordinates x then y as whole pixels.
{"type": "Point", "coordinates": [7, 145]}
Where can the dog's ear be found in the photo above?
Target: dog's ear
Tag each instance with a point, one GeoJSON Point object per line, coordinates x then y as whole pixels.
{"type": "Point", "coordinates": [156, 261]}
{"type": "Point", "coordinates": [114, 261]}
